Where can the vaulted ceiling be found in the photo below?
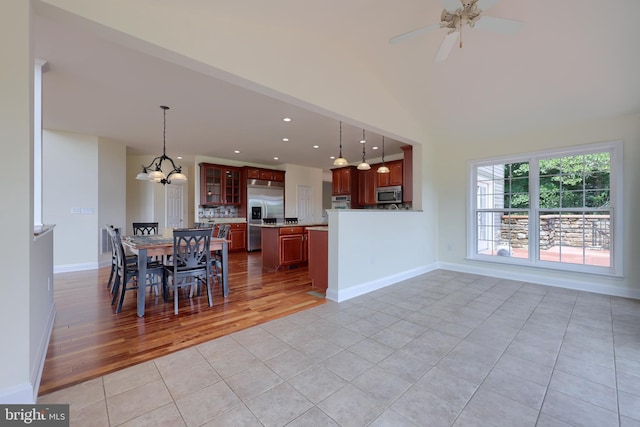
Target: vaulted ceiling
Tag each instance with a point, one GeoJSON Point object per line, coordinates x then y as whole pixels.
{"type": "Point", "coordinates": [572, 60]}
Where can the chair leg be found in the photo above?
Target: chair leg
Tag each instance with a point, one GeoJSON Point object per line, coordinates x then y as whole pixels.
{"type": "Point", "coordinates": [113, 269]}
{"type": "Point", "coordinates": [209, 290]}
{"type": "Point", "coordinates": [124, 288]}
{"type": "Point", "coordinates": [115, 288]}
{"type": "Point", "coordinates": [175, 299]}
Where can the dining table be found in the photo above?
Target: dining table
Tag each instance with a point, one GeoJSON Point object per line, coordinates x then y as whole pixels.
{"type": "Point", "coordinates": [154, 245]}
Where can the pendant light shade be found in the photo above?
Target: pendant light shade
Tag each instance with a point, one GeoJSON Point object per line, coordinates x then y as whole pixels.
{"type": "Point", "coordinates": [363, 166]}
{"type": "Point", "coordinates": [340, 161]}
{"type": "Point", "coordinates": [154, 173]}
{"type": "Point", "coordinates": [383, 168]}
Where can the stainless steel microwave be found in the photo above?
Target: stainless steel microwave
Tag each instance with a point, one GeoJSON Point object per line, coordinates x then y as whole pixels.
{"type": "Point", "coordinates": [389, 194]}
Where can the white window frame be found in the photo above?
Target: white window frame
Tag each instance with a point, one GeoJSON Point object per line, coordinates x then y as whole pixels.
{"type": "Point", "coordinates": [615, 148]}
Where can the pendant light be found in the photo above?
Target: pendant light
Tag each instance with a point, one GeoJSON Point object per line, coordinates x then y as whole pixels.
{"type": "Point", "coordinates": [383, 168]}
{"type": "Point", "coordinates": [340, 161]}
{"type": "Point", "coordinates": [364, 166]}
{"type": "Point", "coordinates": [156, 175]}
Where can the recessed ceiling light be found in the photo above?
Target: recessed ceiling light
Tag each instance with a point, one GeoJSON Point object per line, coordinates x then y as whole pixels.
{"type": "Point", "coordinates": [285, 139]}
{"type": "Point", "coordinates": [236, 151]}
{"type": "Point", "coordinates": [275, 158]}
{"type": "Point", "coordinates": [316, 146]}
{"type": "Point", "coordinates": [287, 119]}
{"type": "Point", "coordinates": [332, 157]}
{"type": "Point", "coordinates": [179, 157]}
{"type": "Point", "coordinates": [374, 148]}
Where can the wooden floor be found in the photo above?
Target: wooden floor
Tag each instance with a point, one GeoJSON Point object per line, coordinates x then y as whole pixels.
{"type": "Point", "coordinates": [89, 340]}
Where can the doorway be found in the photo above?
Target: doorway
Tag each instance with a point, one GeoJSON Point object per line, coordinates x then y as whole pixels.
{"type": "Point", "coordinates": [305, 204]}
{"type": "Point", "coordinates": [174, 204]}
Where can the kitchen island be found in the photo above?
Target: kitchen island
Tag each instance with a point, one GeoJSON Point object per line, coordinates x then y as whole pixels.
{"type": "Point", "coordinates": [285, 245]}
{"type": "Point", "coordinates": [318, 247]}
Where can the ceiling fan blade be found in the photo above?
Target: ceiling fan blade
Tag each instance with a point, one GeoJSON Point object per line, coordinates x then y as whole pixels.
{"type": "Point", "coordinates": [451, 4]}
{"type": "Point", "coordinates": [485, 5]}
{"type": "Point", "coordinates": [414, 33]}
{"type": "Point", "coordinates": [446, 46]}
{"type": "Point", "coordinates": [498, 25]}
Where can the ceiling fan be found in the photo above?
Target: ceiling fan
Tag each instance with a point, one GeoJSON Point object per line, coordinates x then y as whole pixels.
{"type": "Point", "coordinates": [457, 14]}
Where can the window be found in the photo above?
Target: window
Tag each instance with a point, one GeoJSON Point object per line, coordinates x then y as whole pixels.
{"type": "Point", "coordinates": [555, 209]}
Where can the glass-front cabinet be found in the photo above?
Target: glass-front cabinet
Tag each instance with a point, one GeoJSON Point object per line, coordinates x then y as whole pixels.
{"type": "Point", "coordinates": [219, 185]}
{"type": "Point", "coordinates": [232, 186]}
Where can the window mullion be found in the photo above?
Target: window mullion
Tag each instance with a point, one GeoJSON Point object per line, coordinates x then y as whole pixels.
{"type": "Point", "coordinates": [534, 209]}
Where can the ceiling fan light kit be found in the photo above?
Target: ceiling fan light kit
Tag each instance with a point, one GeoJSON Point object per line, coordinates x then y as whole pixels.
{"type": "Point", "coordinates": [468, 14]}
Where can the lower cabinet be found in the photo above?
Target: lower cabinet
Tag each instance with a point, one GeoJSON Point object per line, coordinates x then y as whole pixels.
{"type": "Point", "coordinates": [237, 236]}
{"type": "Point", "coordinates": [318, 242]}
{"type": "Point", "coordinates": [284, 246]}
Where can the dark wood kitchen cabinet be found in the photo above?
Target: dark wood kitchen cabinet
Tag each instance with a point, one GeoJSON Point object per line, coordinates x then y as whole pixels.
{"type": "Point", "coordinates": [265, 174]}
{"type": "Point", "coordinates": [284, 246]}
{"type": "Point", "coordinates": [219, 185]}
{"type": "Point", "coordinates": [394, 177]}
{"type": "Point", "coordinates": [344, 181]}
{"type": "Point", "coordinates": [237, 236]}
{"type": "Point", "coordinates": [367, 186]}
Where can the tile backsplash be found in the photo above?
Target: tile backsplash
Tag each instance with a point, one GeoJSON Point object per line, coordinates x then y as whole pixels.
{"type": "Point", "coordinates": [218, 212]}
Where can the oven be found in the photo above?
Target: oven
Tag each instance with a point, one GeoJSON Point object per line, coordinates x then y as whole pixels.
{"type": "Point", "coordinates": [341, 202]}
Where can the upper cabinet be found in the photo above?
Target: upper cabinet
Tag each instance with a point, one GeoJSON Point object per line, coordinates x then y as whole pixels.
{"type": "Point", "coordinates": [394, 177]}
{"type": "Point", "coordinates": [219, 185]}
{"type": "Point", "coordinates": [344, 181]}
{"type": "Point", "coordinates": [400, 173]}
{"type": "Point", "coordinates": [265, 174]}
{"type": "Point", "coordinates": [367, 187]}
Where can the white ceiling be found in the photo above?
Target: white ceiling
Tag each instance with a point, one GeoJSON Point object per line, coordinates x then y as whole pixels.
{"type": "Point", "coordinates": [573, 60]}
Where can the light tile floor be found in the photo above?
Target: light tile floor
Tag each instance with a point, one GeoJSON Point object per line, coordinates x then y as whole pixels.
{"type": "Point", "coordinates": [442, 349]}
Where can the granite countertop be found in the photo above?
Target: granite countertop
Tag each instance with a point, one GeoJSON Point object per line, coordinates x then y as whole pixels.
{"type": "Point", "coordinates": [223, 220]}
{"type": "Point", "coordinates": [319, 228]}
{"type": "Point", "coordinates": [300, 224]}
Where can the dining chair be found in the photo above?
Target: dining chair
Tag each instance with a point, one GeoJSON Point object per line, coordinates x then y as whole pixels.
{"type": "Point", "coordinates": [190, 265]}
{"type": "Point", "coordinates": [130, 259]}
{"type": "Point", "coordinates": [145, 228]}
{"type": "Point", "coordinates": [216, 261]}
{"type": "Point", "coordinates": [203, 225]}
{"type": "Point", "coordinates": [127, 273]}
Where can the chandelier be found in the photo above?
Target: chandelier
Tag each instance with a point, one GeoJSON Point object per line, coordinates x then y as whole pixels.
{"type": "Point", "coordinates": [154, 172]}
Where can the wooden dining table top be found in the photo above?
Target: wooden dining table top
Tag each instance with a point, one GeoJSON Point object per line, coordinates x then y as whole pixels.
{"type": "Point", "coordinates": [162, 243]}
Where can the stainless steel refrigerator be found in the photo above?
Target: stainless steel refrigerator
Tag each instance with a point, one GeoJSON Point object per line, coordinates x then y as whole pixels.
{"type": "Point", "coordinates": [265, 200]}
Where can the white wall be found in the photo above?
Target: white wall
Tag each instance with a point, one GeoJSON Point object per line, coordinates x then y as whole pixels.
{"type": "Point", "coordinates": [452, 178]}
{"type": "Point", "coordinates": [111, 184]}
{"type": "Point", "coordinates": [70, 181]}
{"type": "Point", "coordinates": [85, 172]}
{"type": "Point", "coordinates": [16, 213]}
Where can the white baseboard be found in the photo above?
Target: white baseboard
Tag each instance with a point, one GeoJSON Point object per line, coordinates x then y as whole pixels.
{"type": "Point", "coordinates": [560, 282]}
{"type": "Point", "coordinates": [67, 268]}
{"type": "Point", "coordinates": [38, 367]}
{"type": "Point", "coordinates": [17, 394]}
{"type": "Point", "coordinates": [364, 288]}
{"type": "Point", "coordinates": [27, 393]}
